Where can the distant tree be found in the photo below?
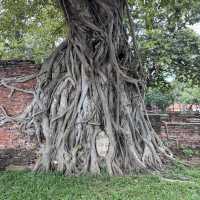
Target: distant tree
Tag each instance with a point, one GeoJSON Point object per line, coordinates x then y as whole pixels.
{"type": "Point", "coordinates": [179, 92]}
{"type": "Point", "coordinates": [190, 95]}
{"type": "Point", "coordinates": [154, 97]}
{"type": "Point", "coordinates": [29, 29]}
{"type": "Point", "coordinates": [168, 15]}
{"type": "Point", "coordinates": [176, 57]}
{"type": "Point", "coordinates": [168, 48]}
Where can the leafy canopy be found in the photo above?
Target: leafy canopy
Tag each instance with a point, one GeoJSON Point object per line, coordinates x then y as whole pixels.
{"type": "Point", "coordinates": [31, 29]}
{"type": "Point", "coordinates": [154, 97]}
{"type": "Point", "coordinates": [168, 48]}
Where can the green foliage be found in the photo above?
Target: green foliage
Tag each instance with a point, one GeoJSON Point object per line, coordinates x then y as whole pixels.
{"type": "Point", "coordinates": [168, 48]}
{"type": "Point", "coordinates": [188, 152]}
{"type": "Point", "coordinates": [184, 92]}
{"type": "Point", "coordinates": [29, 186]}
{"type": "Point", "coordinates": [176, 56]}
{"type": "Point", "coordinates": [190, 95]}
{"type": "Point", "coordinates": [155, 97]}
{"type": "Point", "coordinates": [29, 29]}
{"type": "Point", "coordinates": [176, 89]}
{"type": "Point", "coordinates": [185, 56]}
{"type": "Point", "coordinates": [168, 15]}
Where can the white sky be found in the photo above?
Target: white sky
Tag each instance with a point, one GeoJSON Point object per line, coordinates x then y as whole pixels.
{"type": "Point", "coordinates": [196, 28]}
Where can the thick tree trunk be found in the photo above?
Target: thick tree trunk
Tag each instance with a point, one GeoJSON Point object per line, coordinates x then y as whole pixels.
{"type": "Point", "coordinates": [92, 83]}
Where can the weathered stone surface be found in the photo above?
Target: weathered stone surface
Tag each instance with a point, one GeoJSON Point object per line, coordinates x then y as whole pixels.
{"type": "Point", "coordinates": [155, 122]}
{"type": "Point", "coordinates": [16, 168]}
{"type": "Point", "coordinates": [15, 104]}
{"type": "Point", "coordinates": [102, 144]}
{"type": "Point", "coordinates": [182, 130]}
{"type": "Point", "coordinates": [17, 157]}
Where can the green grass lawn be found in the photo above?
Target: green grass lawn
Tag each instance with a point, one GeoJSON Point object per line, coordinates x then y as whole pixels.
{"type": "Point", "coordinates": [29, 186]}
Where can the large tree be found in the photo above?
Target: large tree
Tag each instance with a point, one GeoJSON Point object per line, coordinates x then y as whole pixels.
{"type": "Point", "coordinates": [92, 83]}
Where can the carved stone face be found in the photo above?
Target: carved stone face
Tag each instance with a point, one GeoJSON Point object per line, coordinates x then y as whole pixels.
{"type": "Point", "coordinates": [102, 144]}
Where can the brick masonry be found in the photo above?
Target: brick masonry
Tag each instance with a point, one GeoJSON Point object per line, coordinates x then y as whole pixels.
{"type": "Point", "coordinates": [14, 105]}
{"type": "Point", "coordinates": [185, 134]}
{"type": "Point", "coordinates": [14, 147]}
{"type": "Point", "coordinates": [182, 130]}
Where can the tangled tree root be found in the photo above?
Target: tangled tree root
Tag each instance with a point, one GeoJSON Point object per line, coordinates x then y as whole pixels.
{"type": "Point", "coordinates": [92, 83]}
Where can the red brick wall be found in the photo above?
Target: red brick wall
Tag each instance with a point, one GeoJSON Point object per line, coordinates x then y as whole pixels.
{"type": "Point", "coordinates": [182, 135]}
{"type": "Point", "coordinates": [183, 130]}
{"type": "Point", "coordinates": [15, 104]}
{"type": "Point", "coordinates": [180, 117]}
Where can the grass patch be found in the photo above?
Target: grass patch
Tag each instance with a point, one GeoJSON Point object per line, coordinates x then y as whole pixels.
{"type": "Point", "coordinates": [29, 186]}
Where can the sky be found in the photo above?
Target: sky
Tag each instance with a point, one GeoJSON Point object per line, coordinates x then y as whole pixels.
{"type": "Point", "coordinates": [196, 28]}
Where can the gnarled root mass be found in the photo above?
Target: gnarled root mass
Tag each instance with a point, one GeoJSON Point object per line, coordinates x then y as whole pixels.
{"type": "Point", "coordinates": [93, 83]}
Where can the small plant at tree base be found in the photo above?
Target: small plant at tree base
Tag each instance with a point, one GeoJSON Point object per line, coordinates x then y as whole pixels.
{"type": "Point", "coordinates": [188, 152]}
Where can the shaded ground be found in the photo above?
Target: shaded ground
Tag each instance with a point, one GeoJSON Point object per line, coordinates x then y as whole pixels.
{"type": "Point", "coordinates": [178, 184]}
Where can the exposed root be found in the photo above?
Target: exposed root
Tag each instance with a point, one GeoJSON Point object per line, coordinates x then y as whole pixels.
{"type": "Point", "coordinates": [93, 83]}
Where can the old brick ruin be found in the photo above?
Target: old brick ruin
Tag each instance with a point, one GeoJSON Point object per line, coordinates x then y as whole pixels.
{"type": "Point", "coordinates": [15, 148]}
{"type": "Point", "coordinates": [178, 129]}
{"type": "Point", "coordinates": [182, 130]}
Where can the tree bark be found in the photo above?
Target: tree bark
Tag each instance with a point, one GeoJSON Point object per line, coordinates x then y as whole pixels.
{"type": "Point", "coordinates": [93, 82]}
